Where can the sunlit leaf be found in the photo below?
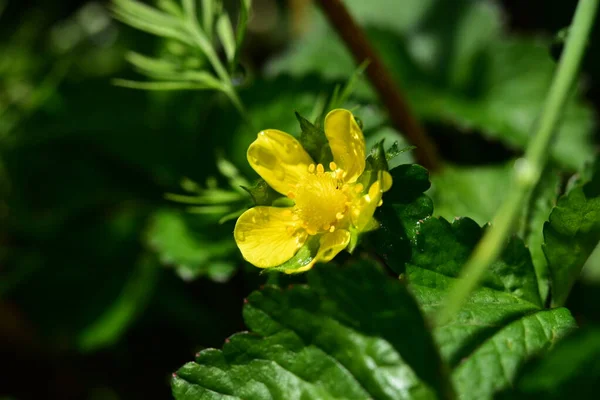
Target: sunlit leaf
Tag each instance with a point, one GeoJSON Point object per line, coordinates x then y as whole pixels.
{"type": "Point", "coordinates": [335, 338]}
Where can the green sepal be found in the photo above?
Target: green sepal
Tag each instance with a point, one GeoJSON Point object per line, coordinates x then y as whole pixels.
{"type": "Point", "coordinates": [302, 258]}
{"type": "Point", "coordinates": [262, 194]}
{"type": "Point", "coordinates": [314, 141]}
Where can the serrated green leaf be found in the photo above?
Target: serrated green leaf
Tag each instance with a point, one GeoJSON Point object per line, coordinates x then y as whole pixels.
{"type": "Point", "coordinates": [571, 234]}
{"type": "Point", "coordinates": [495, 313]}
{"type": "Point", "coordinates": [494, 364]}
{"type": "Point", "coordinates": [571, 369]}
{"type": "Point", "coordinates": [391, 240]}
{"type": "Point", "coordinates": [540, 205]}
{"type": "Point", "coordinates": [180, 240]}
{"type": "Point", "coordinates": [335, 338]}
{"type": "Point", "coordinates": [444, 248]}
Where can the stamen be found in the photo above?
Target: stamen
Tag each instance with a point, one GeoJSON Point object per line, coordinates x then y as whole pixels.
{"type": "Point", "coordinates": [326, 227]}
{"type": "Point", "coordinates": [359, 187]}
{"type": "Point", "coordinates": [320, 169]}
{"type": "Point", "coordinates": [291, 195]}
{"type": "Point", "coordinates": [339, 216]}
{"type": "Point", "coordinates": [380, 203]}
{"type": "Point", "coordinates": [311, 168]}
{"type": "Point", "coordinates": [332, 228]}
{"type": "Point", "coordinates": [332, 166]}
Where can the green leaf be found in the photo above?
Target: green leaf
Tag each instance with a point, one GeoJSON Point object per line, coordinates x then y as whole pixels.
{"type": "Point", "coordinates": [243, 16]}
{"type": "Point", "coordinates": [456, 67]}
{"type": "Point", "coordinates": [208, 16]}
{"type": "Point", "coordinates": [391, 240]}
{"type": "Point", "coordinates": [226, 35]}
{"type": "Point", "coordinates": [493, 365]}
{"type": "Point", "coordinates": [182, 241]}
{"type": "Point", "coordinates": [505, 311]}
{"type": "Point", "coordinates": [476, 191]}
{"type": "Point", "coordinates": [334, 338]}
{"type": "Point", "coordinates": [515, 64]}
{"type": "Point", "coordinates": [571, 234]}
{"type": "Point", "coordinates": [205, 82]}
{"type": "Point", "coordinates": [150, 20]}
{"type": "Point", "coordinates": [540, 205]}
{"type": "Point", "coordinates": [444, 248]}
{"type": "Point", "coordinates": [571, 369]}
{"type": "Point", "coordinates": [501, 325]}
{"type": "Point", "coordinates": [167, 70]}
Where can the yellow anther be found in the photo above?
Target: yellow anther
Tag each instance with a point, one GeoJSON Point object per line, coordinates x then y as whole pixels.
{"type": "Point", "coordinates": [332, 166]}
{"type": "Point", "coordinates": [326, 227]}
{"type": "Point", "coordinates": [311, 168]}
{"type": "Point", "coordinates": [332, 228]}
{"type": "Point", "coordinates": [291, 195]}
{"type": "Point", "coordinates": [359, 187]}
{"type": "Point", "coordinates": [339, 216]}
{"type": "Point", "coordinates": [320, 169]}
{"type": "Point", "coordinates": [380, 203]}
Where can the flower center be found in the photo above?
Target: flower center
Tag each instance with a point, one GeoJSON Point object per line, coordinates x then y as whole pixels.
{"type": "Point", "coordinates": [321, 199]}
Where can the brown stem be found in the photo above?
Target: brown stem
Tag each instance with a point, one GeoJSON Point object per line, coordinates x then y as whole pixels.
{"type": "Point", "coordinates": [388, 90]}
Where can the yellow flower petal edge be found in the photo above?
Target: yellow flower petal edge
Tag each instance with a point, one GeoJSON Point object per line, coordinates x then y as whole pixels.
{"type": "Point", "coordinates": [347, 143]}
{"type": "Point", "coordinates": [279, 159]}
{"type": "Point", "coordinates": [329, 202]}
{"type": "Point", "coordinates": [266, 237]}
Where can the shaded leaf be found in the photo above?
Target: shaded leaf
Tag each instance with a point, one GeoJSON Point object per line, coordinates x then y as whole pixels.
{"type": "Point", "coordinates": [494, 364]}
{"type": "Point", "coordinates": [182, 241]}
{"type": "Point", "coordinates": [571, 234]}
{"type": "Point", "coordinates": [457, 68]}
{"type": "Point", "coordinates": [335, 338]}
{"type": "Point", "coordinates": [571, 369]}
{"type": "Point", "coordinates": [540, 205]}
{"type": "Point", "coordinates": [474, 191]}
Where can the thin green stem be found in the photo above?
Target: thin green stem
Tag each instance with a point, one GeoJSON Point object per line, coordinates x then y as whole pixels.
{"type": "Point", "coordinates": [527, 170]}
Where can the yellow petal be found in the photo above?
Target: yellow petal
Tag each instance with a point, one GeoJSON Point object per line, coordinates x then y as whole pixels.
{"type": "Point", "coordinates": [347, 143]}
{"type": "Point", "coordinates": [364, 208]}
{"type": "Point", "coordinates": [386, 180]}
{"type": "Point", "coordinates": [279, 159]}
{"type": "Point", "coordinates": [267, 236]}
{"type": "Point", "coordinates": [330, 244]}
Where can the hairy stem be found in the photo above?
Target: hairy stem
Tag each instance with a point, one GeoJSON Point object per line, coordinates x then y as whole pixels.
{"type": "Point", "coordinates": [388, 91]}
{"type": "Point", "coordinates": [528, 169]}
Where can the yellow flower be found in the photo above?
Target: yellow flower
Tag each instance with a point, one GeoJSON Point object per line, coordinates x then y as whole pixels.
{"type": "Point", "coordinates": [331, 205]}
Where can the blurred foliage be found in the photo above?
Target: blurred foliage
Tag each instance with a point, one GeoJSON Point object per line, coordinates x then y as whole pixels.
{"type": "Point", "coordinates": [117, 206]}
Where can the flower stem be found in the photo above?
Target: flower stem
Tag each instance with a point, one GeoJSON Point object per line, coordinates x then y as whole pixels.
{"type": "Point", "coordinates": [528, 169]}
{"type": "Point", "coordinates": [398, 108]}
